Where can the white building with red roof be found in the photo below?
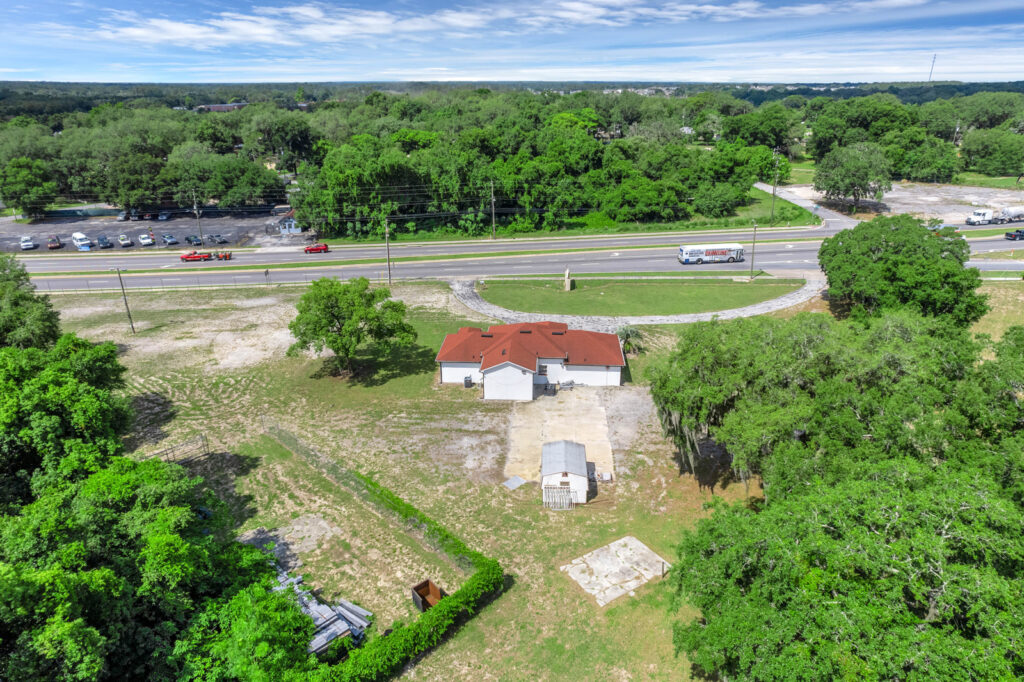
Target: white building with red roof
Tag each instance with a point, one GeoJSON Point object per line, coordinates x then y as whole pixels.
{"type": "Point", "coordinates": [515, 361]}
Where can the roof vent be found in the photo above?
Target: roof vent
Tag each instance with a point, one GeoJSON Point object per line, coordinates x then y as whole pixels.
{"type": "Point", "coordinates": [557, 333]}
{"type": "Point", "coordinates": [502, 351]}
{"type": "Point", "coordinates": [525, 331]}
{"type": "Point", "coordinates": [487, 336]}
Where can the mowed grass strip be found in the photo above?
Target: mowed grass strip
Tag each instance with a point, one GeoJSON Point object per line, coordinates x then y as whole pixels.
{"type": "Point", "coordinates": [609, 297]}
{"type": "Point", "coordinates": [971, 179]}
{"type": "Point", "coordinates": [1012, 254]}
{"type": "Point", "coordinates": [664, 274]}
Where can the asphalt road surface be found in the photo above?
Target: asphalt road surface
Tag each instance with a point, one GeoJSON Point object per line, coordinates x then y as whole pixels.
{"type": "Point", "coordinates": [778, 257]}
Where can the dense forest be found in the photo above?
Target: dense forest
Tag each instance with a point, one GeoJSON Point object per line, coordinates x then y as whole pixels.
{"type": "Point", "coordinates": [450, 160]}
{"type": "Point", "coordinates": [889, 450]}
{"type": "Point", "coordinates": [35, 98]}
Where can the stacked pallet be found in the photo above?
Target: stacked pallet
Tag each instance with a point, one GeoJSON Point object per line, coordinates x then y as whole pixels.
{"type": "Point", "coordinates": [344, 619]}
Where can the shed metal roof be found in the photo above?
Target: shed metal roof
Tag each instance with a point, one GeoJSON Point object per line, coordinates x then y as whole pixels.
{"type": "Point", "coordinates": [563, 456]}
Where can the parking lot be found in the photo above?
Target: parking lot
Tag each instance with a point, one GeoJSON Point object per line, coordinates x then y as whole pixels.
{"type": "Point", "coordinates": [949, 203]}
{"type": "Point", "coordinates": [235, 230]}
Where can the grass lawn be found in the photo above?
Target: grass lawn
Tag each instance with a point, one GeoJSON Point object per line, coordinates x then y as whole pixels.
{"type": "Point", "coordinates": [979, 180]}
{"type": "Point", "coordinates": [988, 274]}
{"type": "Point", "coordinates": [802, 172]}
{"type": "Point", "coordinates": [1006, 300]}
{"type": "Point", "coordinates": [1012, 254]}
{"type": "Point", "coordinates": [685, 273]}
{"type": "Point", "coordinates": [214, 362]}
{"type": "Point", "coordinates": [610, 297]}
{"type": "Point", "coordinates": [987, 232]}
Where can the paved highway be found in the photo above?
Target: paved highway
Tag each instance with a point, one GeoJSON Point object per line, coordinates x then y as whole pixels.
{"type": "Point", "coordinates": [168, 259]}
{"type": "Point", "coordinates": [777, 257]}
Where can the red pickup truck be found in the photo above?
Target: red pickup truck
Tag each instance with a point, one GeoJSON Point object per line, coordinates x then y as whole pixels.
{"type": "Point", "coordinates": [317, 248]}
{"type": "Point", "coordinates": [195, 256]}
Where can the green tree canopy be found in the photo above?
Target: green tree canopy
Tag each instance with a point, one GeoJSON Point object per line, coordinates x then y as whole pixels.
{"type": "Point", "coordinates": [61, 416]}
{"type": "Point", "coordinates": [855, 172]}
{"type": "Point", "coordinates": [994, 152]}
{"type": "Point", "coordinates": [908, 573]}
{"type": "Point", "coordinates": [892, 262]}
{"type": "Point", "coordinates": [341, 316]}
{"type": "Point", "coordinates": [26, 318]}
{"type": "Point", "coordinates": [892, 460]}
{"type": "Point", "coordinates": [25, 184]}
{"type": "Point", "coordinates": [100, 577]}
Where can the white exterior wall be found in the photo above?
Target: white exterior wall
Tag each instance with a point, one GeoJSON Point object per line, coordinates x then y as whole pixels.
{"type": "Point", "coordinates": [554, 371]}
{"type": "Point", "coordinates": [577, 484]}
{"type": "Point", "coordinates": [455, 372]}
{"type": "Point", "coordinates": [588, 375]}
{"type": "Point", "coordinates": [508, 382]}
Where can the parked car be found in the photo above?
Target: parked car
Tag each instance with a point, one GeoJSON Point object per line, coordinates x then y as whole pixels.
{"type": "Point", "coordinates": [27, 244]}
{"type": "Point", "coordinates": [123, 215]}
{"type": "Point", "coordinates": [145, 240]}
{"type": "Point", "coordinates": [81, 242]}
{"type": "Point", "coordinates": [216, 239]}
{"type": "Point", "coordinates": [317, 248]}
{"type": "Point", "coordinates": [54, 242]}
{"type": "Point", "coordinates": [134, 215]}
{"type": "Point", "coordinates": [194, 240]}
{"type": "Point", "coordinates": [103, 242]}
{"type": "Point", "coordinates": [148, 216]}
{"type": "Point", "coordinates": [168, 239]}
{"type": "Point", "coordinates": [195, 256]}
{"type": "Point", "coordinates": [124, 240]}
{"type": "Point", "coordinates": [164, 215]}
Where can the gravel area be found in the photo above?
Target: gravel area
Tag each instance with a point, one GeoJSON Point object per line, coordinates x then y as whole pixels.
{"type": "Point", "coordinates": [949, 203]}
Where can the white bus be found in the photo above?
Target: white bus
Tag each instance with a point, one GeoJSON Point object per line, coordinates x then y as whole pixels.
{"type": "Point", "coordinates": [710, 253]}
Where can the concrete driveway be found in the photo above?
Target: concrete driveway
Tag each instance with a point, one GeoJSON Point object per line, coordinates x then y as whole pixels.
{"type": "Point", "coordinates": [578, 415]}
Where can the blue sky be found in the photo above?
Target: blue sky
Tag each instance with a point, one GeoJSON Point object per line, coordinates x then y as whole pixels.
{"type": "Point", "coordinates": [645, 40]}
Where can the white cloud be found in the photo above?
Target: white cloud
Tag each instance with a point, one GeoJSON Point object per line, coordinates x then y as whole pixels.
{"type": "Point", "coordinates": [728, 40]}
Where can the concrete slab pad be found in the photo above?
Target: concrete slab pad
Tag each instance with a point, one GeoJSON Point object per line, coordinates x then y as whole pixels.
{"type": "Point", "coordinates": [513, 482]}
{"type": "Point", "coordinates": [577, 415]}
{"type": "Point", "coordinates": [616, 569]}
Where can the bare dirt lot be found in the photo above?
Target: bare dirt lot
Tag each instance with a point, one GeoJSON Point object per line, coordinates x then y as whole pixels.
{"type": "Point", "coordinates": [214, 363]}
{"type": "Point", "coordinates": [949, 203]}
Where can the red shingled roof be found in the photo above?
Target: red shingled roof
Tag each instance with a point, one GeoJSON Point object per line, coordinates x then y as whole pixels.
{"type": "Point", "coordinates": [522, 344]}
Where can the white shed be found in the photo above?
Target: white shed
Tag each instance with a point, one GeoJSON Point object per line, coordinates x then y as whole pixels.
{"type": "Point", "coordinates": [563, 474]}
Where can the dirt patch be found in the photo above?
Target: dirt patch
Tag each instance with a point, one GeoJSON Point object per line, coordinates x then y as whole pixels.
{"type": "Point", "coordinates": [258, 302]}
{"type": "Point", "coordinates": [437, 297]}
{"type": "Point", "coordinates": [814, 305]}
{"type": "Point", "coordinates": [305, 534]}
{"type": "Point", "coordinates": [948, 203]}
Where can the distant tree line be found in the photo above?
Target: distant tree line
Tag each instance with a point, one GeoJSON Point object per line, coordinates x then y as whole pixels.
{"type": "Point", "coordinates": [433, 161]}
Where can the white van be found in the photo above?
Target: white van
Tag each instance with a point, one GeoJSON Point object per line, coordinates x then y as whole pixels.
{"type": "Point", "coordinates": [710, 253]}
{"type": "Point", "coordinates": [81, 242]}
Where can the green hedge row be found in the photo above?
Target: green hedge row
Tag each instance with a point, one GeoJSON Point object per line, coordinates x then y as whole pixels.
{"type": "Point", "coordinates": [383, 657]}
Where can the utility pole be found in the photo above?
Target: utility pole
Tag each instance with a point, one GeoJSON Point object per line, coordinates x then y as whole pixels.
{"type": "Point", "coordinates": [753, 246]}
{"type": "Point", "coordinates": [932, 70]}
{"type": "Point", "coordinates": [387, 245]}
{"type": "Point", "coordinates": [195, 209]}
{"type": "Point", "coordinates": [125, 297]}
{"type": "Point", "coordinates": [775, 182]}
{"type": "Point", "coordinates": [493, 231]}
